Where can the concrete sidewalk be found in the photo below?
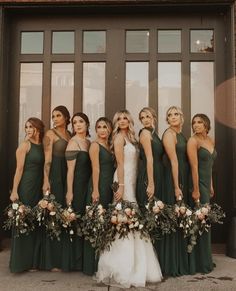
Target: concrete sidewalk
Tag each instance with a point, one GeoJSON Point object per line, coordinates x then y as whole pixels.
{"type": "Point", "coordinates": [222, 278]}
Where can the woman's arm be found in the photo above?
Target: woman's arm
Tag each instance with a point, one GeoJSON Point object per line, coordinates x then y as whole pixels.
{"type": "Point", "coordinates": [94, 157]}
{"type": "Point", "coordinates": [119, 154]}
{"type": "Point", "coordinates": [20, 161]}
{"type": "Point", "coordinates": [48, 145]}
{"type": "Point", "coordinates": [192, 147]}
{"type": "Point", "coordinates": [70, 172]}
{"type": "Point", "coordinates": [145, 141]}
{"type": "Point", "coordinates": [169, 142]}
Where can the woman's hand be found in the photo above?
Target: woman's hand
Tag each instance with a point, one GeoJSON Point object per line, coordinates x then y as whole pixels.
{"type": "Point", "coordinates": [178, 194]}
{"type": "Point", "coordinates": [95, 196]}
{"type": "Point", "coordinates": [46, 187]}
{"type": "Point", "coordinates": [14, 196]}
{"type": "Point", "coordinates": [69, 198]}
{"type": "Point", "coordinates": [119, 194]}
{"type": "Point", "coordinates": [150, 190]}
{"type": "Point", "coordinates": [196, 195]}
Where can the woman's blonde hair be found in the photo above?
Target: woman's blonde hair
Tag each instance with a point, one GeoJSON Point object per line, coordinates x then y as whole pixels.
{"type": "Point", "coordinates": [116, 129]}
{"type": "Point", "coordinates": [149, 110]}
{"type": "Point", "coordinates": [179, 110]}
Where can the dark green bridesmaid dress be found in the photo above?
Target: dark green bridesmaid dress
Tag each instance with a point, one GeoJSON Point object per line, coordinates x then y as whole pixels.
{"type": "Point", "coordinates": [201, 256]}
{"type": "Point", "coordinates": [73, 251]}
{"type": "Point", "coordinates": [30, 192]}
{"type": "Point", "coordinates": [142, 180]}
{"type": "Point", "coordinates": [176, 261]}
{"type": "Point", "coordinates": [106, 173]}
{"type": "Point", "coordinates": [51, 250]}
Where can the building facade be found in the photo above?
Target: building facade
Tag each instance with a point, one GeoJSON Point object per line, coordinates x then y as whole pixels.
{"type": "Point", "coordinates": [102, 56]}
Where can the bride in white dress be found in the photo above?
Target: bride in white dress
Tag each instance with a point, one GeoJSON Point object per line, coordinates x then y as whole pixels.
{"type": "Point", "coordinates": [131, 261]}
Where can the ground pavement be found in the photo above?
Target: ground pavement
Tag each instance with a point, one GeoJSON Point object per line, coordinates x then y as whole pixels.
{"type": "Point", "coordinates": [222, 278]}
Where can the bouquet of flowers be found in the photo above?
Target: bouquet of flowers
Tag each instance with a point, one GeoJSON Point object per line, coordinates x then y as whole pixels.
{"type": "Point", "coordinates": [70, 221]}
{"type": "Point", "coordinates": [48, 213]}
{"type": "Point", "coordinates": [160, 219]}
{"type": "Point", "coordinates": [94, 224]}
{"type": "Point", "coordinates": [202, 218]}
{"type": "Point", "coordinates": [19, 218]}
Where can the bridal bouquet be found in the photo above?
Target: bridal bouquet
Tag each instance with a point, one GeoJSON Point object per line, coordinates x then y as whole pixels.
{"type": "Point", "coordinates": [70, 221]}
{"type": "Point", "coordinates": [94, 225]}
{"type": "Point", "coordinates": [125, 217]}
{"type": "Point", "coordinates": [48, 213]}
{"type": "Point", "coordinates": [184, 216]}
{"type": "Point", "coordinates": [160, 219]}
{"type": "Point", "coordinates": [19, 218]}
{"type": "Point", "coordinates": [203, 216]}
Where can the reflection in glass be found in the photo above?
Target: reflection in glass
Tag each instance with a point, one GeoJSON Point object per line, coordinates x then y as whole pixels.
{"type": "Point", "coordinates": [62, 85]}
{"type": "Point", "coordinates": [202, 90]}
{"type": "Point", "coordinates": [63, 42]}
{"type": "Point", "coordinates": [94, 42]}
{"type": "Point", "coordinates": [31, 42]}
{"type": "Point", "coordinates": [202, 41]}
{"type": "Point", "coordinates": [169, 41]}
{"type": "Point", "coordinates": [137, 89]}
{"type": "Point", "coordinates": [169, 90]}
{"type": "Point", "coordinates": [30, 94]}
{"type": "Point", "coordinates": [137, 41]}
{"type": "Point", "coordinates": [94, 92]}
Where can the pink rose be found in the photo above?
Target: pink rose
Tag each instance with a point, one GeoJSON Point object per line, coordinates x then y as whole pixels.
{"type": "Point", "coordinates": [114, 219]}
{"type": "Point", "coordinates": [160, 204]}
{"type": "Point", "coordinates": [50, 206]}
{"type": "Point", "coordinates": [128, 211]}
{"type": "Point", "coordinates": [156, 209]}
{"type": "Point", "coordinates": [43, 203]}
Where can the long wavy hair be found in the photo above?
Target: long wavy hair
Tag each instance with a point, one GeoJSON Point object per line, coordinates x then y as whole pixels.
{"type": "Point", "coordinates": [109, 127]}
{"type": "Point", "coordinates": [38, 124]}
{"type": "Point", "coordinates": [116, 129]}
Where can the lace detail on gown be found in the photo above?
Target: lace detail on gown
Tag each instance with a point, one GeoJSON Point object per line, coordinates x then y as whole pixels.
{"type": "Point", "coordinates": [131, 261]}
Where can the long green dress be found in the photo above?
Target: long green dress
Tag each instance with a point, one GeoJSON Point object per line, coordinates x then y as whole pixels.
{"type": "Point", "coordinates": [201, 256]}
{"type": "Point", "coordinates": [176, 261]}
{"type": "Point", "coordinates": [51, 250]}
{"type": "Point", "coordinates": [73, 251]}
{"type": "Point", "coordinates": [142, 180]}
{"type": "Point", "coordinates": [107, 169]}
{"type": "Point", "coordinates": [30, 192]}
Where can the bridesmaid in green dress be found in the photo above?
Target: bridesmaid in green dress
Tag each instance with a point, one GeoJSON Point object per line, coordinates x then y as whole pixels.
{"type": "Point", "coordinates": [100, 184]}
{"type": "Point", "coordinates": [201, 153]}
{"type": "Point", "coordinates": [79, 172]}
{"type": "Point", "coordinates": [176, 183]}
{"type": "Point", "coordinates": [151, 171]}
{"type": "Point", "coordinates": [55, 171]}
{"type": "Point", "coordinates": [27, 187]}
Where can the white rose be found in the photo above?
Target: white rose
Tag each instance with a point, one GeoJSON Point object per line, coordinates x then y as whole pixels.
{"type": "Point", "coordinates": [71, 231]}
{"type": "Point", "coordinates": [118, 206]}
{"type": "Point", "coordinates": [15, 206]}
{"type": "Point", "coordinates": [52, 213]}
{"type": "Point", "coordinates": [204, 210]}
{"type": "Point", "coordinates": [188, 212]}
{"type": "Point", "coordinates": [140, 226]}
{"type": "Point", "coordinates": [100, 206]}
{"type": "Point", "coordinates": [160, 204]}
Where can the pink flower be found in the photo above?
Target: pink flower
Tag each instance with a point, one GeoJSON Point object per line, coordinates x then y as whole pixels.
{"type": "Point", "coordinates": [182, 209]}
{"type": "Point", "coordinates": [160, 204]}
{"type": "Point", "coordinates": [128, 211]}
{"type": "Point", "coordinates": [114, 219]}
{"type": "Point", "coordinates": [155, 209]}
{"type": "Point", "coordinates": [43, 203]}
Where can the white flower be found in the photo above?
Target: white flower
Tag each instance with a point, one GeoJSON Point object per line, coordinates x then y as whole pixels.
{"type": "Point", "coordinates": [15, 206]}
{"type": "Point", "coordinates": [140, 226]}
{"type": "Point", "coordinates": [181, 225]}
{"type": "Point", "coordinates": [204, 210]}
{"type": "Point", "coordinates": [136, 224]}
{"type": "Point", "coordinates": [71, 231]}
{"type": "Point", "coordinates": [188, 212]}
{"type": "Point", "coordinates": [131, 225]}
{"type": "Point", "coordinates": [87, 207]}
{"type": "Point", "coordinates": [52, 213]}
{"type": "Point", "coordinates": [100, 206]}
{"type": "Point", "coordinates": [160, 204]}
{"type": "Point", "coordinates": [118, 206]}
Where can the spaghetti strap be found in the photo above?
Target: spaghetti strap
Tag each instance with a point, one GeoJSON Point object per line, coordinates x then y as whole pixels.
{"type": "Point", "coordinates": [77, 144]}
{"type": "Point", "coordinates": [56, 133]}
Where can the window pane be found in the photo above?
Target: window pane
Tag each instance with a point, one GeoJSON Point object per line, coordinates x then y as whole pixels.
{"type": "Point", "coordinates": [137, 41]}
{"type": "Point", "coordinates": [169, 41]}
{"type": "Point", "coordinates": [62, 85]}
{"type": "Point", "coordinates": [202, 90]}
{"type": "Point", "coordinates": [202, 41]}
{"type": "Point", "coordinates": [169, 90]}
{"type": "Point", "coordinates": [32, 42]}
{"type": "Point", "coordinates": [30, 94]}
{"type": "Point", "coordinates": [137, 89]}
{"type": "Point", "coordinates": [63, 42]}
{"type": "Point", "coordinates": [94, 92]}
{"type": "Point", "coordinates": [94, 42]}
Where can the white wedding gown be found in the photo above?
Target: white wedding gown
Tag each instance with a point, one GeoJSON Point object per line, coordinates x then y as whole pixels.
{"type": "Point", "coordinates": [131, 261]}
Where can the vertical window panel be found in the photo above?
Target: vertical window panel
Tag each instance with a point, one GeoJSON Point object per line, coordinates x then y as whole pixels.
{"type": "Point", "coordinates": [62, 85]}
{"type": "Point", "coordinates": [94, 92]}
{"type": "Point", "coordinates": [169, 90]}
{"type": "Point", "coordinates": [137, 89]}
{"type": "Point", "coordinates": [202, 91]}
{"type": "Point", "coordinates": [30, 94]}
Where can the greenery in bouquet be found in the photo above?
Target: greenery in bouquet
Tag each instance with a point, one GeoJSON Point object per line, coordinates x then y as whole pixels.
{"type": "Point", "coordinates": [160, 218]}
{"type": "Point", "coordinates": [203, 216]}
{"type": "Point", "coordinates": [94, 225]}
{"type": "Point", "coordinates": [71, 222]}
{"type": "Point", "coordinates": [19, 218]}
{"type": "Point", "coordinates": [48, 213]}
